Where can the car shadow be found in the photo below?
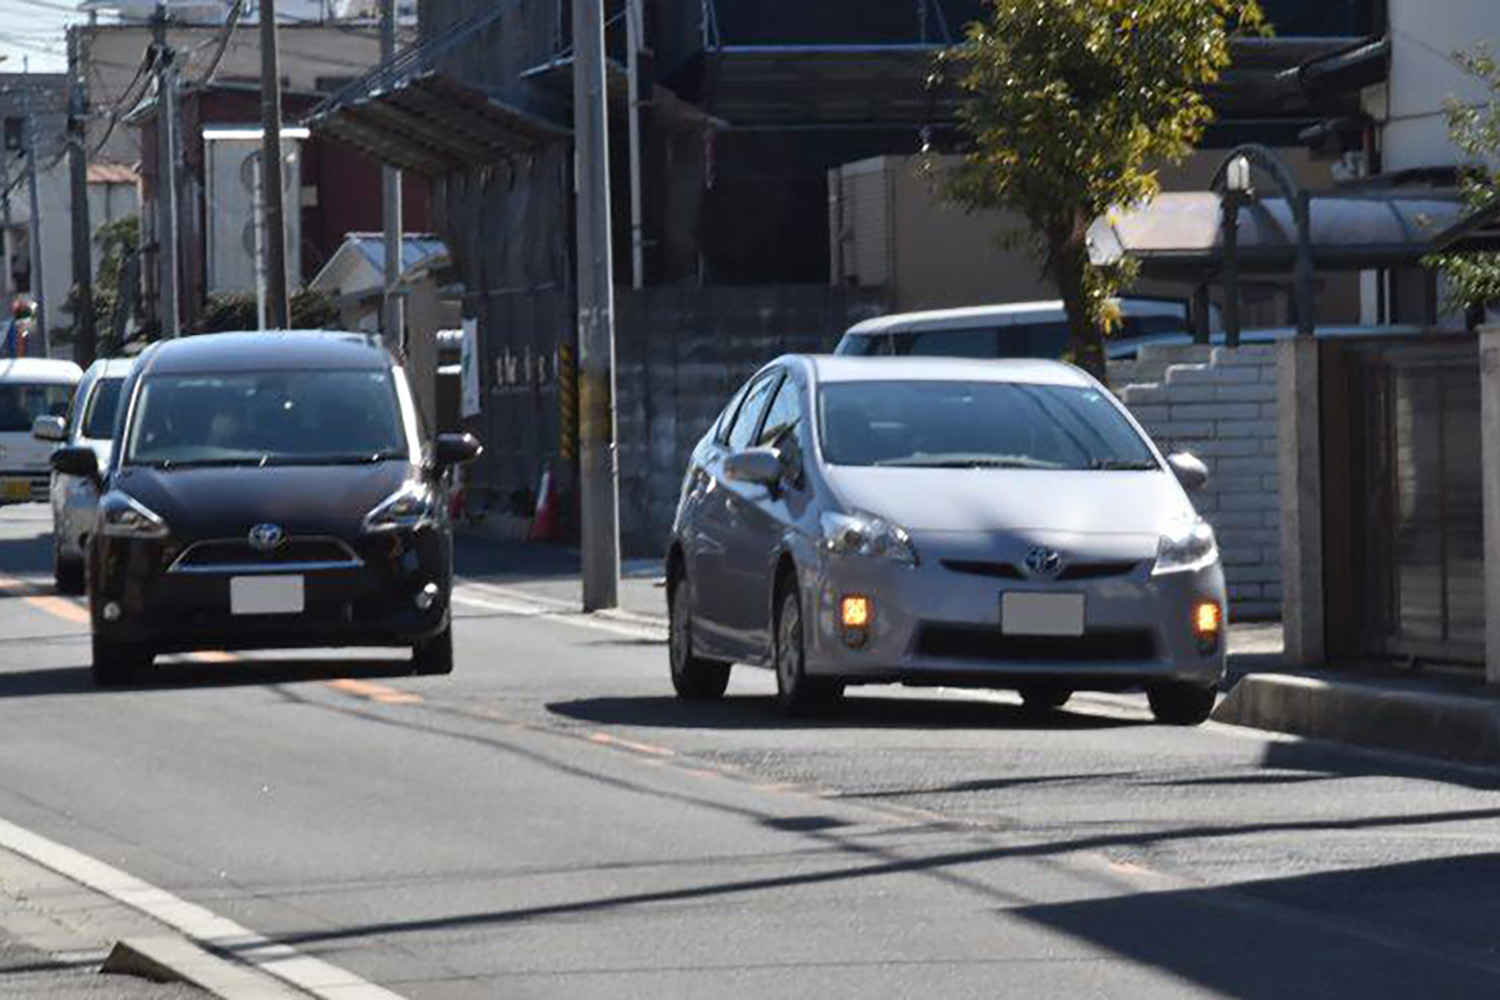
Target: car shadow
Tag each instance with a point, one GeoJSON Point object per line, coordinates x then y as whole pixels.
{"type": "Point", "coordinates": [173, 675]}
{"type": "Point", "coordinates": [856, 712]}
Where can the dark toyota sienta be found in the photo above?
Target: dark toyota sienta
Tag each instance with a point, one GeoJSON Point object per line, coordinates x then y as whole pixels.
{"type": "Point", "coordinates": [269, 491]}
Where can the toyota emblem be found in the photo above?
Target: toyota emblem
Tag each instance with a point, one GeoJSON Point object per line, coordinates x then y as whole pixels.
{"type": "Point", "coordinates": [266, 537]}
{"type": "Point", "coordinates": [1043, 563]}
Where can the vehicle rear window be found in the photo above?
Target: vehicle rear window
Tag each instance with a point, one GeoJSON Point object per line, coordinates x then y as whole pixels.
{"type": "Point", "coordinates": [267, 418]}
{"type": "Point", "coordinates": [952, 424]}
{"type": "Point", "coordinates": [99, 421]}
{"type": "Point", "coordinates": [22, 402]}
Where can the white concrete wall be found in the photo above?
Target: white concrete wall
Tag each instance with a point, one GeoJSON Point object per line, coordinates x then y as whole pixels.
{"type": "Point", "coordinates": [1424, 35]}
{"type": "Point", "coordinates": [1221, 406]}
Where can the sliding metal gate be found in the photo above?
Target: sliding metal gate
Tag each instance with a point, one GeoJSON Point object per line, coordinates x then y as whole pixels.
{"type": "Point", "coordinates": [1403, 489]}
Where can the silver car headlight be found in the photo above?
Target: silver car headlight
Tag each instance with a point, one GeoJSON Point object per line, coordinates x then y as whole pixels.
{"type": "Point", "coordinates": [123, 516]}
{"type": "Point", "coordinates": [1191, 548]}
{"type": "Point", "coordinates": [868, 535]}
{"type": "Point", "coordinates": [413, 506]}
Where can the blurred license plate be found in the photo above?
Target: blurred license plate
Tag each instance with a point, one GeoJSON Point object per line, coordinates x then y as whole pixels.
{"type": "Point", "coordinates": [15, 489]}
{"type": "Point", "coordinates": [265, 595]}
{"type": "Point", "coordinates": [1041, 614]}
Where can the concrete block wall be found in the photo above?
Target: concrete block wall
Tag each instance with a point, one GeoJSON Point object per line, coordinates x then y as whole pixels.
{"type": "Point", "coordinates": [1221, 406]}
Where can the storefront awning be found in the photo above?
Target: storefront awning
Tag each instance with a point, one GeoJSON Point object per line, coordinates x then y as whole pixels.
{"type": "Point", "coordinates": [1179, 236]}
{"type": "Point", "coordinates": [431, 124]}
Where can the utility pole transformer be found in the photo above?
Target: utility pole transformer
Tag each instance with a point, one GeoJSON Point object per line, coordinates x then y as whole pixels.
{"type": "Point", "coordinates": [393, 311]}
{"type": "Point", "coordinates": [278, 310]}
{"type": "Point", "coordinates": [598, 469]}
{"type": "Point", "coordinates": [84, 347]}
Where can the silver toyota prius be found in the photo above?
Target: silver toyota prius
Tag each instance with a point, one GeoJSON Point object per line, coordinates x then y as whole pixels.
{"type": "Point", "coordinates": [928, 521]}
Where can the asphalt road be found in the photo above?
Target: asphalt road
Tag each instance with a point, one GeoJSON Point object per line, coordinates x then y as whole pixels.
{"type": "Point", "coordinates": [548, 822]}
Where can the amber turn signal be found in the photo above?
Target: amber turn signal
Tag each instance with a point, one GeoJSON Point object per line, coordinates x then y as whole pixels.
{"type": "Point", "coordinates": [1207, 620]}
{"type": "Point", "coordinates": [855, 612]}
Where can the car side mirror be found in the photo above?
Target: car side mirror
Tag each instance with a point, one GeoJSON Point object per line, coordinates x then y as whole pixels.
{"type": "Point", "coordinates": [49, 429]}
{"type": "Point", "coordinates": [455, 449]}
{"type": "Point", "coordinates": [76, 461]}
{"type": "Point", "coordinates": [761, 466]}
{"type": "Point", "coordinates": [1190, 470]}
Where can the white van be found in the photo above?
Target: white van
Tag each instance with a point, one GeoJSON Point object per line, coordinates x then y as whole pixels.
{"type": "Point", "coordinates": [1014, 330]}
{"type": "Point", "coordinates": [30, 388]}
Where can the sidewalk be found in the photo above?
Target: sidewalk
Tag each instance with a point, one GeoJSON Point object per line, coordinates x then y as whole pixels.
{"type": "Point", "coordinates": [1448, 715]}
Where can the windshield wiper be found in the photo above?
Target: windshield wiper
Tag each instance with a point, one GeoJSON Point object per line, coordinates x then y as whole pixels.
{"type": "Point", "coordinates": [1123, 465]}
{"type": "Point", "coordinates": [969, 462]}
{"type": "Point", "coordinates": [372, 458]}
{"type": "Point", "coordinates": [168, 464]}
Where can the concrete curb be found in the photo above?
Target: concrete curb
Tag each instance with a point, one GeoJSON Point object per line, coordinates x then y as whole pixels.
{"type": "Point", "coordinates": [1431, 724]}
{"type": "Point", "coordinates": [169, 959]}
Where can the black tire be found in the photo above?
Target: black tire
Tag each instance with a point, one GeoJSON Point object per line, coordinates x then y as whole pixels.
{"type": "Point", "coordinates": [1040, 699]}
{"type": "Point", "coordinates": [67, 574]}
{"type": "Point", "coordinates": [434, 656]}
{"type": "Point", "coordinates": [118, 663]}
{"type": "Point", "coordinates": [1181, 704]}
{"type": "Point", "coordinates": [693, 677]}
{"type": "Point", "coordinates": [799, 695]}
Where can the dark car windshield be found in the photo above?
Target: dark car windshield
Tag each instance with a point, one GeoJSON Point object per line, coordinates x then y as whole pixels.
{"type": "Point", "coordinates": [99, 422]}
{"type": "Point", "coordinates": [977, 425]}
{"type": "Point", "coordinates": [270, 418]}
{"type": "Point", "coordinates": [22, 402]}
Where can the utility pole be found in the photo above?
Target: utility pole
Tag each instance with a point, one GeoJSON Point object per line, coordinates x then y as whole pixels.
{"type": "Point", "coordinates": [278, 311]}
{"type": "Point", "coordinates": [635, 30]}
{"type": "Point", "coordinates": [598, 471]}
{"type": "Point", "coordinates": [168, 297]}
{"type": "Point", "coordinates": [39, 316]}
{"type": "Point", "coordinates": [85, 346]}
{"type": "Point", "coordinates": [5, 272]}
{"type": "Point", "coordinates": [393, 311]}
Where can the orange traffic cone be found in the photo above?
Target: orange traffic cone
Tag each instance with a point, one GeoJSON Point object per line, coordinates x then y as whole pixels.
{"type": "Point", "coordinates": [544, 523]}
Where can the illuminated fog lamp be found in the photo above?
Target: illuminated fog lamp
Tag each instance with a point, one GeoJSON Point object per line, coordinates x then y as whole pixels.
{"type": "Point", "coordinates": [426, 597]}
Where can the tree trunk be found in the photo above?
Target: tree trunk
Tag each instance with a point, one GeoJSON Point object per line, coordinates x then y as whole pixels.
{"type": "Point", "coordinates": [1069, 261]}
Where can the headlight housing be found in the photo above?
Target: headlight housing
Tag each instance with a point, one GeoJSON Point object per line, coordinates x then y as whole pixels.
{"type": "Point", "coordinates": [123, 516]}
{"type": "Point", "coordinates": [868, 535]}
{"type": "Point", "coordinates": [1190, 548]}
{"type": "Point", "coordinates": [410, 508]}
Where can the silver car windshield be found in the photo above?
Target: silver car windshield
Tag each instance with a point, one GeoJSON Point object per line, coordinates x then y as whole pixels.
{"type": "Point", "coordinates": [267, 418]}
{"type": "Point", "coordinates": [946, 424]}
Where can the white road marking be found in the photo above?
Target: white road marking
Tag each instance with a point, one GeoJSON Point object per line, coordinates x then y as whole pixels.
{"type": "Point", "coordinates": [490, 598]}
{"type": "Point", "coordinates": [219, 934]}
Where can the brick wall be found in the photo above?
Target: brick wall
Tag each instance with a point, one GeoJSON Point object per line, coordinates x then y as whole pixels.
{"type": "Point", "coordinates": [1221, 406]}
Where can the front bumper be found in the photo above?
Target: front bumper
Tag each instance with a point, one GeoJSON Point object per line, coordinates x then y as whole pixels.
{"type": "Point", "coordinates": [373, 604]}
{"type": "Point", "coordinates": [932, 625]}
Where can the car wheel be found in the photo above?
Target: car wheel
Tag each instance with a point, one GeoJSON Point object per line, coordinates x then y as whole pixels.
{"type": "Point", "coordinates": [118, 663]}
{"type": "Point", "coordinates": [434, 656]}
{"type": "Point", "coordinates": [693, 677]}
{"type": "Point", "coordinates": [68, 574]}
{"type": "Point", "coordinates": [1042, 698]}
{"type": "Point", "coordinates": [1181, 704]}
{"type": "Point", "coordinates": [799, 694]}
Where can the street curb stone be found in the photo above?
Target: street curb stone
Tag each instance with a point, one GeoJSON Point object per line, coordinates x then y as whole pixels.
{"type": "Point", "coordinates": [1431, 724]}
{"type": "Point", "coordinates": [171, 959]}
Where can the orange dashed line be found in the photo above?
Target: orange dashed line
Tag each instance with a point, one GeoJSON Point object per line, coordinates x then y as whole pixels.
{"type": "Point", "coordinates": [608, 740]}
{"type": "Point", "coordinates": [375, 692]}
{"type": "Point", "coordinates": [61, 607]}
{"type": "Point", "coordinates": [214, 656]}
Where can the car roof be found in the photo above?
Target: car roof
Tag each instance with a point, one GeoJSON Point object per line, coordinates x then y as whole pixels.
{"type": "Point", "coordinates": [52, 371]}
{"type": "Point", "coordinates": [281, 350]}
{"type": "Point", "coordinates": [1030, 371]}
{"type": "Point", "coordinates": [1050, 309]}
{"type": "Point", "coordinates": [111, 367]}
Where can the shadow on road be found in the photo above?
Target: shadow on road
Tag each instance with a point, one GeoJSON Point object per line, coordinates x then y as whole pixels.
{"type": "Point", "coordinates": [27, 556]}
{"type": "Point", "coordinates": [855, 712]}
{"type": "Point", "coordinates": [180, 675]}
{"type": "Point", "coordinates": [1420, 929]}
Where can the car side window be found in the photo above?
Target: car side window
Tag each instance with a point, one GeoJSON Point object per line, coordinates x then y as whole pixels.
{"type": "Point", "coordinates": [784, 419]}
{"type": "Point", "coordinates": [748, 419]}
